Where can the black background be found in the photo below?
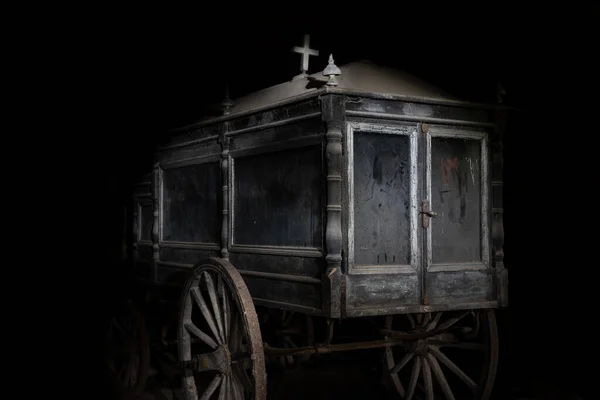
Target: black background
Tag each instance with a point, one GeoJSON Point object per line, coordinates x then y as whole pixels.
{"type": "Point", "coordinates": [138, 72]}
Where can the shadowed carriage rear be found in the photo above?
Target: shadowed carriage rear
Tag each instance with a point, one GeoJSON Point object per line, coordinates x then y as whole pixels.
{"type": "Point", "coordinates": [356, 192]}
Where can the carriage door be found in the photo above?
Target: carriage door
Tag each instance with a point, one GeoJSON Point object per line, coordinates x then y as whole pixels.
{"type": "Point", "coordinates": [384, 246]}
{"type": "Point", "coordinates": [454, 214]}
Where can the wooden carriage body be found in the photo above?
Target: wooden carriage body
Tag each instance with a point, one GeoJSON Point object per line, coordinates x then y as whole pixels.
{"type": "Point", "coordinates": [378, 195]}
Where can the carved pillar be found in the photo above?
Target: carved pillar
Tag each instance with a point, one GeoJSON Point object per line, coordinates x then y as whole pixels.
{"type": "Point", "coordinates": [498, 211]}
{"type": "Point", "coordinates": [155, 222]}
{"type": "Point", "coordinates": [333, 116]}
{"type": "Point", "coordinates": [135, 234]}
{"type": "Point", "coordinates": [225, 182]}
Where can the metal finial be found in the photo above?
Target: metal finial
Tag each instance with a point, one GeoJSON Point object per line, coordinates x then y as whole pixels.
{"type": "Point", "coordinates": [306, 51]}
{"type": "Point", "coordinates": [332, 70]}
{"type": "Point", "coordinates": [227, 102]}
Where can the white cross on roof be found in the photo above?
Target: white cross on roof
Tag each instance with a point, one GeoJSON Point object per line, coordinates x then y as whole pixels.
{"type": "Point", "coordinates": [306, 51]}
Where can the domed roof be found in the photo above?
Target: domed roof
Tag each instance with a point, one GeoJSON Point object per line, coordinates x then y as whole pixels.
{"type": "Point", "coordinates": [359, 76]}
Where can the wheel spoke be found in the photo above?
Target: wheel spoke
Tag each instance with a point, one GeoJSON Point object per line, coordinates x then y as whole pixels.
{"type": "Point", "coordinates": [413, 378]}
{"type": "Point", "coordinates": [427, 379]}
{"type": "Point", "coordinates": [238, 388]}
{"type": "Point", "coordinates": [122, 371]}
{"type": "Point", "coordinates": [234, 338]}
{"type": "Point", "coordinates": [411, 320]}
{"type": "Point", "coordinates": [226, 308]}
{"type": "Point", "coordinates": [245, 379]}
{"type": "Point", "coordinates": [287, 318]}
{"type": "Point", "coordinates": [435, 321]}
{"type": "Point", "coordinates": [189, 385]}
{"type": "Point", "coordinates": [426, 319]}
{"type": "Point", "coordinates": [447, 324]}
{"type": "Point", "coordinates": [224, 388]}
{"type": "Point", "coordinates": [128, 371]}
{"type": "Point", "coordinates": [117, 325]}
{"type": "Point", "coordinates": [289, 343]}
{"type": "Point", "coordinates": [134, 364]}
{"type": "Point", "coordinates": [193, 329]}
{"type": "Point", "coordinates": [439, 375]}
{"type": "Point", "coordinates": [402, 363]}
{"type": "Point", "coordinates": [206, 313]}
{"type": "Point", "coordinates": [212, 386]}
{"type": "Point", "coordinates": [454, 368]}
{"type": "Point", "coordinates": [212, 294]}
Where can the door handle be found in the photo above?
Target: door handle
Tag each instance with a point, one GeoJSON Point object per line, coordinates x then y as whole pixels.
{"type": "Point", "coordinates": [426, 213]}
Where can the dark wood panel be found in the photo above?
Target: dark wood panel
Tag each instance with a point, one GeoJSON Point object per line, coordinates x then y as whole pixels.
{"type": "Point", "coordinates": [189, 152]}
{"type": "Point", "coordinates": [172, 275]}
{"type": "Point", "coordinates": [456, 197]}
{"type": "Point", "coordinates": [381, 199]}
{"type": "Point", "coordinates": [143, 270]}
{"type": "Point", "coordinates": [144, 252]}
{"type": "Point", "coordinates": [195, 135]}
{"type": "Point", "coordinates": [311, 267]}
{"type": "Point", "coordinates": [292, 293]}
{"type": "Point", "coordinates": [296, 130]}
{"type": "Point", "coordinates": [280, 114]}
{"type": "Point", "coordinates": [146, 221]}
{"type": "Point", "coordinates": [460, 286]}
{"type": "Point", "coordinates": [142, 189]}
{"type": "Point", "coordinates": [416, 109]}
{"type": "Point", "coordinates": [382, 291]}
{"type": "Point", "coordinates": [278, 198]}
{"type": "Point", "coordinates": [186, 256]}
{"type": "Point", "coordinates": [192, 203]}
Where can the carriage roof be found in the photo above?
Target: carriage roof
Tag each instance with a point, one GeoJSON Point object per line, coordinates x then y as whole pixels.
{"type": "Point", "coordinates": [358, 78]}
{"type": "Point", "coordinates": [362, 76]}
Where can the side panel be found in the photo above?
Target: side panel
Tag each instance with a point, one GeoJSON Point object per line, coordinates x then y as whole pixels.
{"type": "Point", "coordinates": [277, 198]}
{"type": "Point", "coordinates": [250, 190]}
{"type": "Point", "coordinates": [191, 204]}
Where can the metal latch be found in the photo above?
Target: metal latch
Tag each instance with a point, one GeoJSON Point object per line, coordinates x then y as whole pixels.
{"type": "Point", "coordinates": [426, 213]}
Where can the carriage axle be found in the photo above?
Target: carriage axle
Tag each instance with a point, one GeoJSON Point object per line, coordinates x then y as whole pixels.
{"type": "Point", "coordinates": [396, 338]}
{"type": "Point", "coordinates": [211, 361]}
{"type": "Point", "coordinates": [331, 348]}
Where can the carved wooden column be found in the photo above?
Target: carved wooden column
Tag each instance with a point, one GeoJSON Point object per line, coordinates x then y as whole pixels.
{"type": "Point", "coordinates": [498, 210]}
{"type": "Point", "coordinates": [225, 182]}
{"type": "Point", "coordinates": [135, 233]}
{"type": "Point", "coordinates": [224, 141]}
{"type": "Point", "coordinates": [155, 221]}
{"type": "Point", "coordinates": [333, 116]}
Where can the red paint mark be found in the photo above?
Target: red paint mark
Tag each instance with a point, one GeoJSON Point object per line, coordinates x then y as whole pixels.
{"type": "Point", "coordinates": [450, 165]}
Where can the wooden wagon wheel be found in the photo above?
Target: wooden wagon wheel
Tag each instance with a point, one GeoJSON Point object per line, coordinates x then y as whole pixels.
{"type": "Point", "coordinates": [459, 363]}
{"type": "Point", "coordinates": [288, 329]}
{"type": "Point", "coordinates": [219, 340]}
{"type": "Point", "coordinates": [128, 352]}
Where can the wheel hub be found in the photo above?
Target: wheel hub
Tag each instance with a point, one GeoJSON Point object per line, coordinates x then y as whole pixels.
{"type": "Point", "coordinates": [218, 360]}
{"type": "Point", "coordinates": [420, 347]}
